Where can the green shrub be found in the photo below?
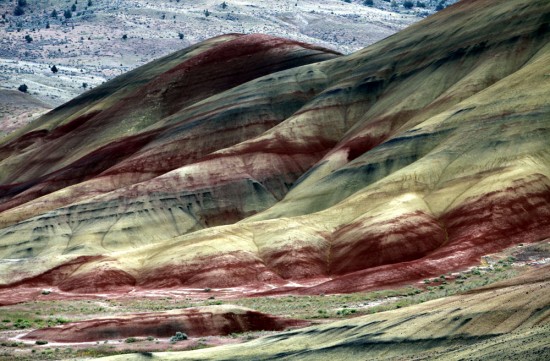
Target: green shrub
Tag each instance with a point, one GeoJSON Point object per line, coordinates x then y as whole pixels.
{"type": "Point", "coordinates": [22, 323]}
{"type": "Point", "coordinates": [180, 336]}
{"type": "Point", "coordinates": [346, 312]}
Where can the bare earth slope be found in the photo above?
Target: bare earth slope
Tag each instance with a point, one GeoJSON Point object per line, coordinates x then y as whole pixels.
{"type": "Point", "coordinates": [255, 161]}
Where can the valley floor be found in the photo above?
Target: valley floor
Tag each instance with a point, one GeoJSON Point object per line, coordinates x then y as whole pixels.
{"type": "Point", "coordinates": [501, 307]}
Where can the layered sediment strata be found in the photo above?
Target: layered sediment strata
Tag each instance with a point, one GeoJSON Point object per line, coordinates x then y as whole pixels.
{"type": "Point", "coordinates": [252, 160]}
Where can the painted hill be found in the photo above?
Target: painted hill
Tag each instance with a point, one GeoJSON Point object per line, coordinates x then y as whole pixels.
{"type": "Point", "coordinates": [263, 163]}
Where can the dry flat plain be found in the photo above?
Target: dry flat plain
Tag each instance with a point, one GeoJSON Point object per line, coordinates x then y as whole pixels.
{"type": "Point", "coordinates": [89, 49]}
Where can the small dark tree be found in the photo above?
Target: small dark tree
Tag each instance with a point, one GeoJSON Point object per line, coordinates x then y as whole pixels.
{"type": "Point", "coordinates": [224, 5]}
{"type": "Point", "coordinates": [47, 25]}
{"type": "Point", "coordinates": [206, 13]}
{"type": "Point", "coordinates": [90, 3]}
{"type": "Point", "coordinates": [18, 11]}
{"type": "Point", "coordinates": [28, 38]}
{"type": "Point", "coordinates": [73, 8]}
{"type": "Point", "coordinates": [420, 4]}
{"type": "Point", "coordinates": [54, 14]}
{"type": "Point", "coordinates": [22, 3]}
{"type": "Point", "coordinates": [23, 88]}
{"type": "Point", "coordinates": [368, 3]}
{"type": "Point", "coordinates": [67, 14]}
{"type": "Point", "coordinates": [54, 69]}
{"type": "Point", "coordinates": [84, 85]}
{"type": "Point", "coordinates": [124, 37]}
{"type": "Point", "coordinates": [180, 35]}
{"type": "Point", "coordinates": [408, 4]}
{"type": "Point", "coordinates": [440, 6]}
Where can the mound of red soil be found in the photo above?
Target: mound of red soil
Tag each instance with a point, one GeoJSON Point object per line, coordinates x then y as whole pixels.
{"type": "Point", "coordinates": [195, 322]}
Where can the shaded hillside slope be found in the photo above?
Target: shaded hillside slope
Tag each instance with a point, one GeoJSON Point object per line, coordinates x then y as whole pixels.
{"type": "Point", "coordinates": [505, 321]}
{"type": "Point", "coordinates": [250, 160]}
